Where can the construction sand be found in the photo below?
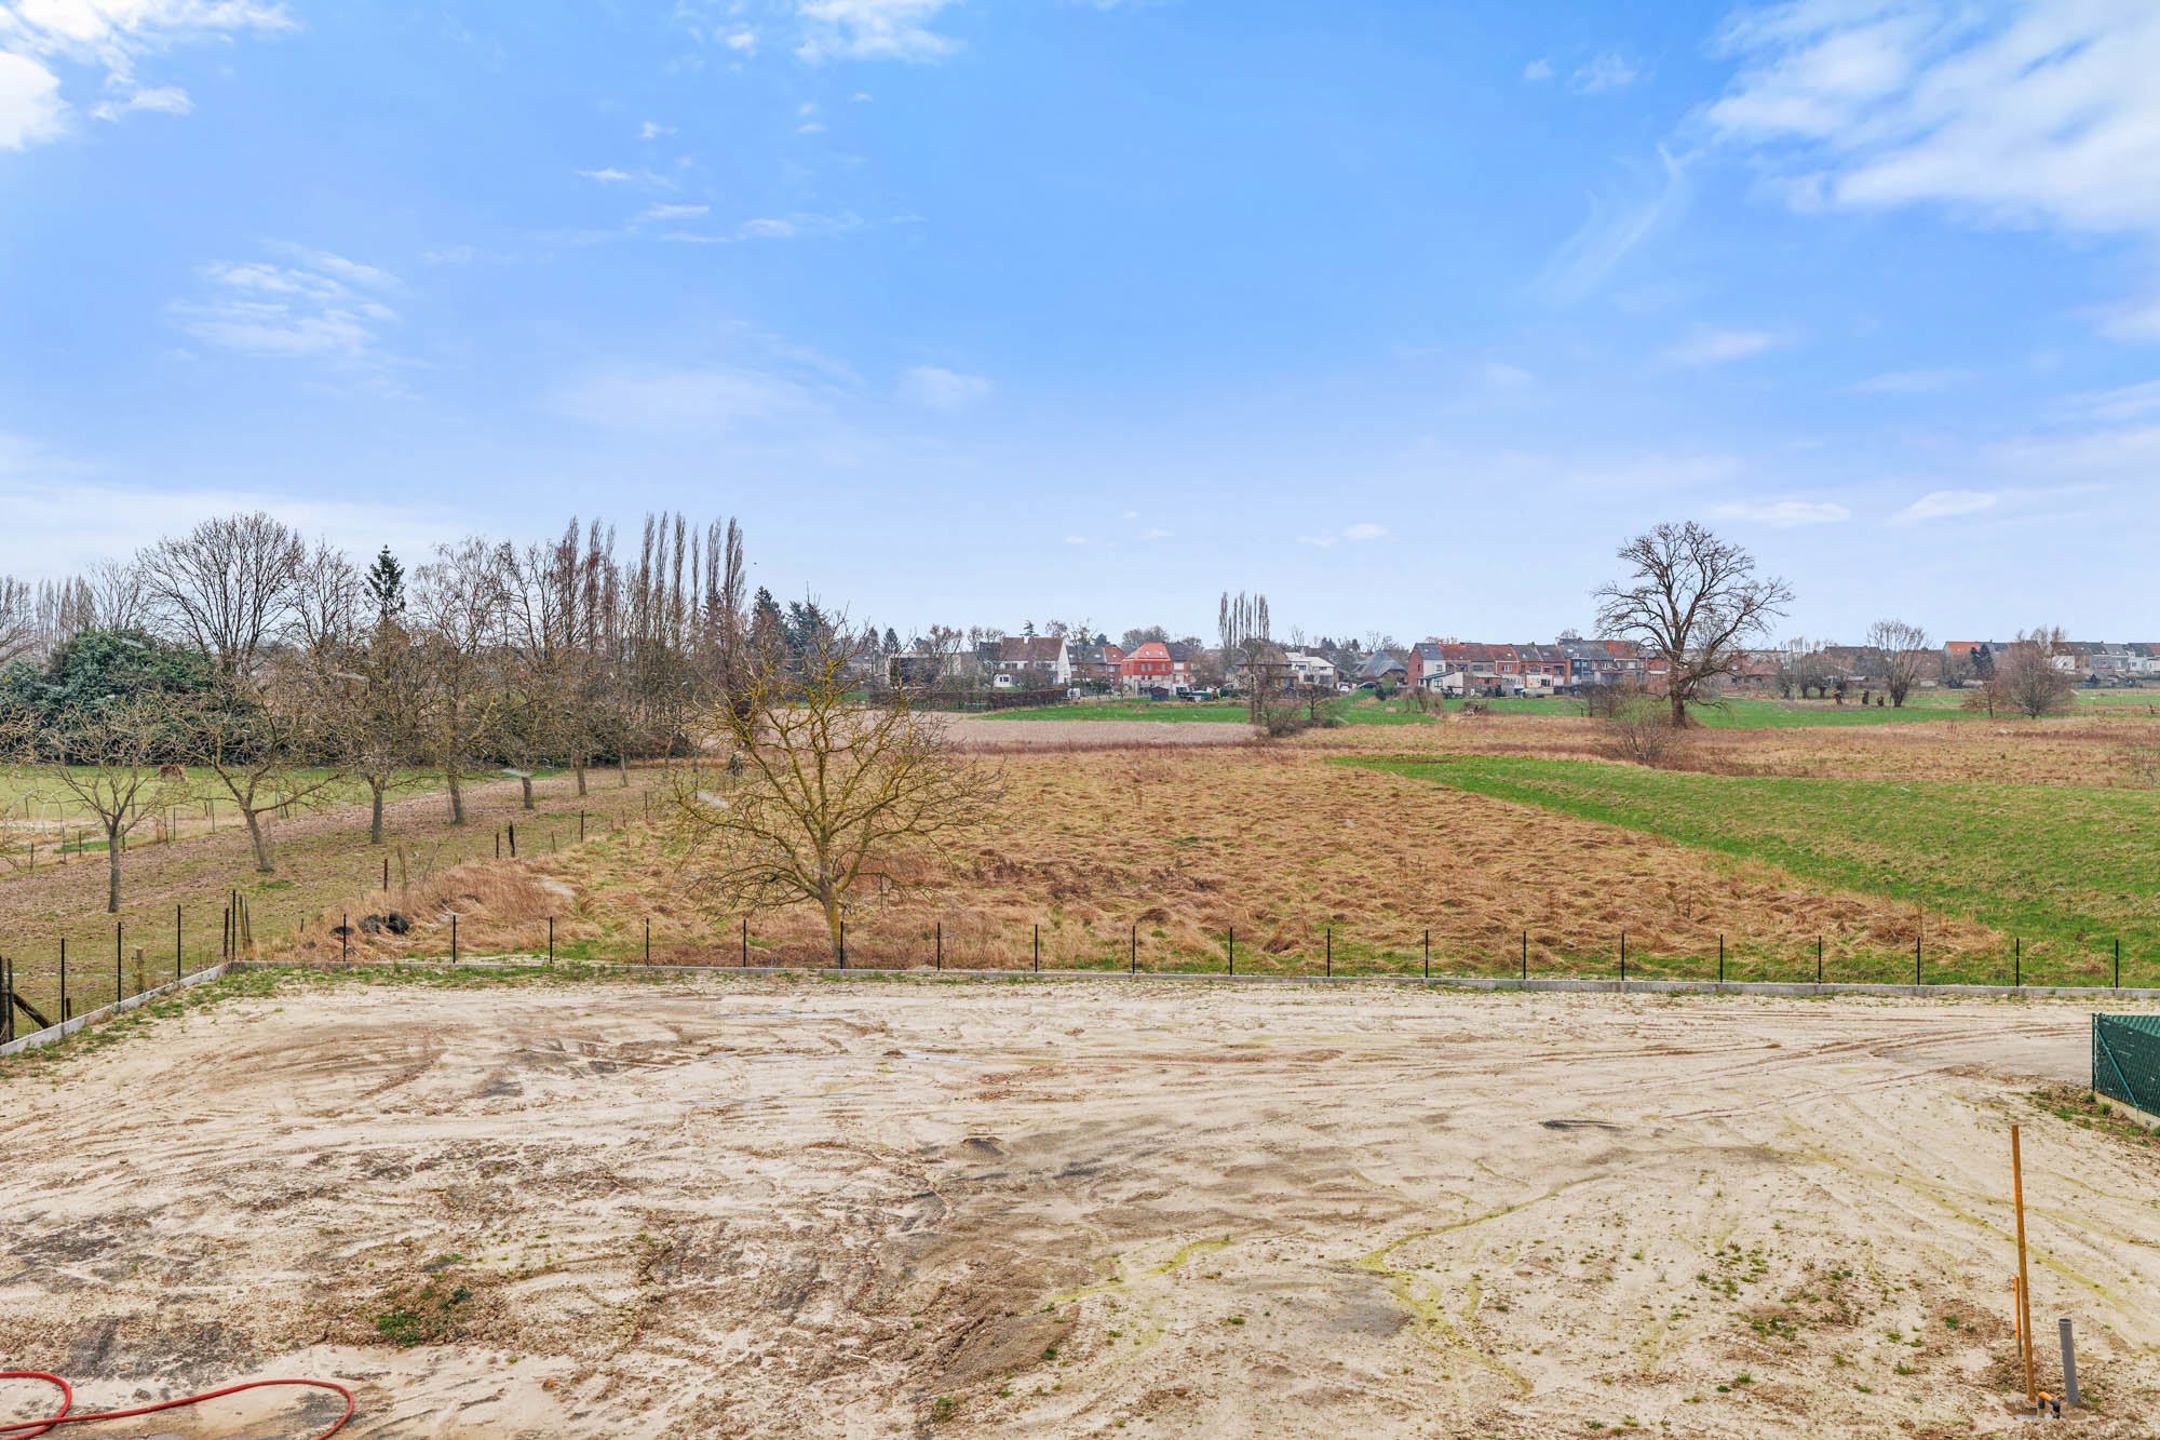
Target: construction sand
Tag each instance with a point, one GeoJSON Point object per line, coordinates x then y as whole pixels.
{"type": "Point", "coordinates": [1073, 1209]}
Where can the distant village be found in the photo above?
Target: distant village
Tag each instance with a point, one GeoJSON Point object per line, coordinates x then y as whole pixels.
{"type": "Point", "coordinates": [1148, 664]}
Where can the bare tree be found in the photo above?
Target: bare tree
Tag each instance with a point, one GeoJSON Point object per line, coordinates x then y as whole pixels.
{"type": "Point", "coordinates": [327, 612]}
{"type": "Point", "coordinates": [831, 789]}
{"type": "Point", "coordinates": [116, 598]}
{"type": "Point", "coordinates": [376, 714]}
{"type": "Point", "coordinates": [106, 758]}
{"type": "Point", "coordinates": [265, 746]}
{"type": "Point", "coordinates": [20, 633]}
{"type": "Point", "coordinates": [227, 586]}
{"type": "Point", "coordinates": [458, 601]}
{"type": "Point", "coordinates": [1905, 654]}
{"type": "Point", "coordinates": [2029, 676]}
{"type": "Point", "coordinates": [1696, 601]}
{"type": "Point", "coordinates": [1637, 720]}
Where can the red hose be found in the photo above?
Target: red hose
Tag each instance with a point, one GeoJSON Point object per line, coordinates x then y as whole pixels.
{"type": "Point", "coordinates": [27, 1429]}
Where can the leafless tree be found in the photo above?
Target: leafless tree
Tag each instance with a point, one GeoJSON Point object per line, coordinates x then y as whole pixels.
{"type": "Point", "coordinates": [831, 789]}
{"type": "Point", "coordinates": [116, 597]}
{"type": "Point", "coordinates": [1641, 729]}
{"type": "Point", "coordinates": [2029, 676]}
{"type": "Point", "coordinates": [376, 714]}
{"type": "Point", "coordinates": [106, 759]}
{"type": "Point", "coordinates": [267, 745]}
{"type": "Point", "coordinates": [1696, 601]}
{"type": "Point", "coordinates": [20, 633]}
{"type": "Point", "coordinates": [326, 603]}
{"type": "Point", "coordinates": [458, 603]}
{"type": "Point", "coordinates": [227, 586]}
{"type": "Point", "coordinates": [1905, 655]}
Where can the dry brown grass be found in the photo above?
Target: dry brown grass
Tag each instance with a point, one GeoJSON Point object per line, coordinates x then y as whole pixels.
{"type": "Point", "coordinates": [1182, 846]}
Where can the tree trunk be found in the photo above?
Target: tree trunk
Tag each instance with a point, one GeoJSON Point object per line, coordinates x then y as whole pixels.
{"type": "Point", "coordinates": [375, 826]}
{"type": "Point", "coordinates": [112, 870]}
{"type": "Point", "coordinates": [457, 796]}
{"type": "Point", "coordinates": [829, 897]}
{"type": "Point", "coordinates": [622, 768]}
{"type": "Point", "coordinates": [526, 782]}
{"type": "Point", "coordinates": [260, 839]}
{"type": "Point", "coordinates": [578, 769]}
{"type": "Point", "coordinates": [1679, 708]}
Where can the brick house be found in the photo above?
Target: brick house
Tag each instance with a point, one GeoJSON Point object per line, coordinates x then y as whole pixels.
{"type": "Point", "coordinates": [1155, 664]}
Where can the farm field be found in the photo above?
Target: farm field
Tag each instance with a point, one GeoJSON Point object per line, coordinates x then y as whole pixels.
{"type": "Point", "coordinates": [821, 1208]}
{"type": "Point", "coordinates": [2068, 869]}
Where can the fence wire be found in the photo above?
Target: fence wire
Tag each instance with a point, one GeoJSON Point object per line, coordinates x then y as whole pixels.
{"type": "Point", "coordinates": [2126, 1059]}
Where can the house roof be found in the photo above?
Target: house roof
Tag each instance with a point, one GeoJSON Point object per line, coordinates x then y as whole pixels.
{"type": "Point", "coordinates": [1153, 650]}
{"type": "Point", "coordinates": [1030, 649]}
{"type": "Point", "coordinates": [1379, 663]}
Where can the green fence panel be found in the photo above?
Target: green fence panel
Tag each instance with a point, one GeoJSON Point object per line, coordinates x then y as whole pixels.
{"type": "Point", "coordinates": [2126, 1059]}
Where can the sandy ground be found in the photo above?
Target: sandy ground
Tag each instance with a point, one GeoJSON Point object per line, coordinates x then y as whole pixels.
{"type": "Point", "coordinates": [1075, 1209]}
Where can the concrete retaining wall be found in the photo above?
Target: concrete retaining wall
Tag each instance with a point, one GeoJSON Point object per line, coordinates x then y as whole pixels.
{"type": "Point", "coordinates": [54, 1033]}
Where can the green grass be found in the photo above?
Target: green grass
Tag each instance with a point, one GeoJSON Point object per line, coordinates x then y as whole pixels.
{"type": "Point", "coordinates": [2066, 869]}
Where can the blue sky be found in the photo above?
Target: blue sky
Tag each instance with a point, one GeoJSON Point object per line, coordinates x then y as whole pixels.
{"type": "Point", "coordinates": [986, 311]}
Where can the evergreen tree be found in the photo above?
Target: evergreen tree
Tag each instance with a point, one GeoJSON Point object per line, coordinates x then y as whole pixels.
{"type": "Point", "coordinates": [385, 582]}
{"type": "Point", "coordinates": [892, 641]}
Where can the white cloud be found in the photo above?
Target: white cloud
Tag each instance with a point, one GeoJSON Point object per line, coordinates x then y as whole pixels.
{"type": "Point", "coordinates": [873, 30]}
{"type": "Point", "coordinates": [109, 36]}
{"type": "Point", "coordinates": [1505, 376]}
{"type": "Point", "coordinates": [1783, 514]}
{"type": "Point", "coordinates": [319, 306]}
{"type": "Point", "coordinates": [2037, 113]}
{"type": "Point", "coordinates": [662, 213]}
{"type": "Point", "coordinates": [162, 99]}
{"type": "Point", "coordinates": [1619, 221]}
{"type": "Point", "coordinates": [1609, 71]}
{"type": "Point", "coordinates": [31, 109]}
{"type": "Point", "coordinates": [1538, 69]}
{"type": "Point", "coordinates": [1155, 534]}
{"type": "Point", "coordinates": [1361, 531]}
{"type": "Point", "coordinates": [1720, 347]}
{"type": "Point", "coordinates": [1946, 504]}
{"type": "Point", "coordinates": [608, 176]}
{"type": "Point", "coordinates": [653, 130]}
{"type": "Point", "coordinates": [1076, 539]}
{"type": "Point", "coordinates": [1907, 382]}
{"type": "Point", "coordinates": [655, 397]}
{"type": "Point", "coordinates": [742, 42]}
{"type": "Point", "coordinates": [2130, 402]}
{"type": "Point", "coordinates": [937, 388]}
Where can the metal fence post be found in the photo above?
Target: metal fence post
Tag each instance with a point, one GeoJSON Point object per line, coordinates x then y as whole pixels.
{"type": "Point", "coordinates": [118, 981]}
{"type": "Point", "coordinates": [940, 961]}
{"type": "Point", "coordinates": [1331, 952]}
{"type": "Point", "coordinates": [1721, 958]}
{"type": "Point", "coordinates": [1623, 957]}
{"type": "Point", "coordinates": [2118, 962]}
{"type": "Point", "coordinates": [63, 980]}
{"type": "Point", "coordinates": [2069, 1361]}
{"type": "Point", "coordinates": [746, 942]}
{"type": "Point", "coordinates": [1428, 954]}
{"type": "Point", "coordinates": [179, 965]}
{"type": "Point", "coordinates": [1916, 980]}
{"type": "Point", "coordinates": [1038, 949]}
{"type": "Point", "coordinates": [2017, 963]}
{"type": "Point", "coordinates": [551, 939]}
{"type": "Point", "coordinates": [1136, 949]}
{"type": "Point", "coordinates": [344, 939]}
{"type": "Point", "coordinates": [1233, 949]}
{"type": "Point", "coordinates": [1818, 959]}
{"type": "Point", "coordinates": [648, 941]}
{"type": "Point", "coordinates": [453, 937]}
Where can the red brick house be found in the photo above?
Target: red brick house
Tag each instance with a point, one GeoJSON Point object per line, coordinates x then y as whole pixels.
{"type": "Point", "coordinates": [1154, 664]}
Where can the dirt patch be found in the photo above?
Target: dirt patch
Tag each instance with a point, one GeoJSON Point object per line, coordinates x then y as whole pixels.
{"type": "Point", "coordinates": [1079, 1209]}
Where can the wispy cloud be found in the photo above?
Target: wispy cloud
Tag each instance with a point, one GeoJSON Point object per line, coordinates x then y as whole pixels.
{"type": "Point", "coordinates": [873, 30]}
{"type": "Point", "coordinates": [1538, 69]}
{"type": "Point", "coordinates": [2029, 113]}
{"type": "Point", "coordinates": [1363, 530]}
{"type": "Point", "coordinates": [1721, 347]}
{"type": "Point", "coordinates": [1602, 73]}
{"type": "Point", "coordinates": [305, 305]}
{"type": "Point", "coordinates": [936, 388]}
{"type": "Point", "coordinates": [1946, 505]}
{"type": "Point", "coordinates": [1782, 514]}
{"type": "Point", "coordinates": [1619, 221]}
{"type": "Point", "coordinates": [654, 130]}
{"type": "Point", "coordinates": [39, 38]}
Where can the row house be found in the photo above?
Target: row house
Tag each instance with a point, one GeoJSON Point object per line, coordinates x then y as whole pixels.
{"type": "Point", "coordinates": [1308, 672]}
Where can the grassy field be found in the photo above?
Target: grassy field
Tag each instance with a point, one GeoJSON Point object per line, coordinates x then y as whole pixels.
{"type": "Point", "coordinates": [2066, 869]}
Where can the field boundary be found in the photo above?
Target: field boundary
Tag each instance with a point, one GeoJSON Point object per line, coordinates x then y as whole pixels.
{"type": "Point", "coordinates": [1556, 984]}
{"type": "Point", "coordinates": [52, 1034]}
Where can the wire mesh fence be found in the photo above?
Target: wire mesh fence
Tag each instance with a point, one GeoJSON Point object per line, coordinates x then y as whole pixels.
{"type": "Point", "coordinates": [2126, 1059]}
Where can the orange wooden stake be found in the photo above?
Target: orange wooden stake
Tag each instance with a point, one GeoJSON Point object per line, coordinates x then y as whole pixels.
{"type": "Point", "coordinates": [2017, 1192]}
